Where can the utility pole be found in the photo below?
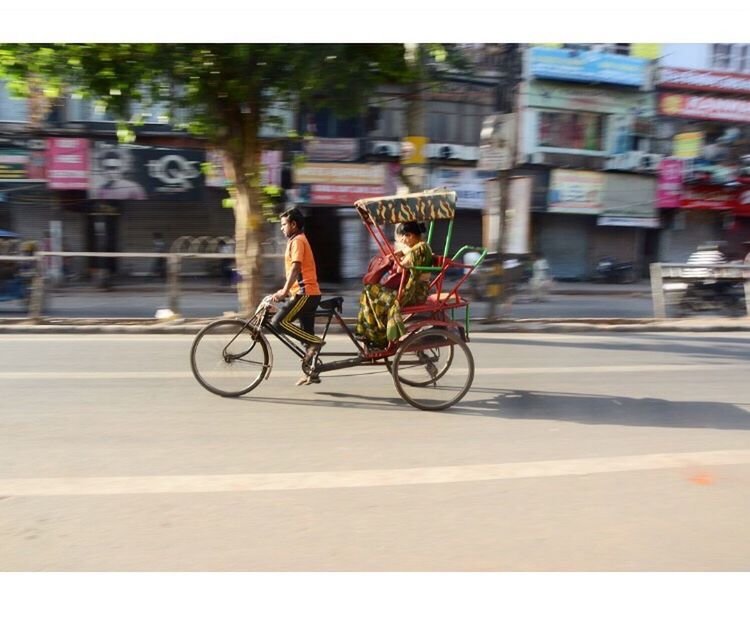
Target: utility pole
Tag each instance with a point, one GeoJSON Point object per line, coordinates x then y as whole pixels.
{"type": "Point", "coordinates": [505, 103]}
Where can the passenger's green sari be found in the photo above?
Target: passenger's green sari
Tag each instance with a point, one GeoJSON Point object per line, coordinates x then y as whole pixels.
{"type": "Point", "coordinates": [379, 320]}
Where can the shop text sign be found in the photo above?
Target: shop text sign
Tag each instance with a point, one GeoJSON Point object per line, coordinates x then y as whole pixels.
{"type": "Point", "coordinates": [68, 163]}
{"type": "Point", "coordinates": [332, 194]}
{"type": "Point", "coordinates": [341, 174]}
{"type": "Point", "coordinates": [708, 198]}
{"type": "Point", "coordinates": [576, 192]}
{"type": "Point", "coordinates": [704, 107]}
{"type": "Point", "coordinates": [587, 65]}
{"type": "Point", "coordinates": [468, 184]}
{"type": "Point", "coordinates": [683, 78]}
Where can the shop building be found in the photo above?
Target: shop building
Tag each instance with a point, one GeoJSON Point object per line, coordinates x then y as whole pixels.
{"type": "Point", "coordinates": [584, 116]}
{"type": "Point", "coordinates": [703, 126]}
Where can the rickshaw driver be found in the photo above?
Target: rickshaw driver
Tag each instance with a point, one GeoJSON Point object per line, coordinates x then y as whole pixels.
{"type": "Point", "coordinates": [302, 284]}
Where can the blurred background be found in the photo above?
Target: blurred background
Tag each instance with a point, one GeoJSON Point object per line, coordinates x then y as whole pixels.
{"type": "Point", "coordinates": [592, 160]}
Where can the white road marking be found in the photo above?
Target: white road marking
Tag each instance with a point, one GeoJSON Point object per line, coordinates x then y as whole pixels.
{"type": "Point", "coordinates": [508, 371]}
{"type": "Point", "coordinates": [116, 485]}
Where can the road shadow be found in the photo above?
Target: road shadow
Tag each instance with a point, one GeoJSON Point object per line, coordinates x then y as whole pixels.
{"type": "Point", "coordinates": [719, 347]}
{"type": "Point", "coordinates": [606, 409]}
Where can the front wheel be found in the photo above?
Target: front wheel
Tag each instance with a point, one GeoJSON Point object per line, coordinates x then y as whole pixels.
{"type": "Point", "coordinates": [229, 357]}
{"type": "Point", "coordinates": [433, 369]}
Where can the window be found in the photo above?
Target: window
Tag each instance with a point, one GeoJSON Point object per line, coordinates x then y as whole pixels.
{"type": "Point", "coordinates": [743, 64]}
{"type": "Point", "coordinates": [721, 55]}
{"type": "Point", "coordinates": [580, 131]}
{"type": "Point", "coordinates": [12, 109]}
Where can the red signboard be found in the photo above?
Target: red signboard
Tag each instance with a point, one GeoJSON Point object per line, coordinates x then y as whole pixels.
{"type": "Point", "coordinates": [704, 107]}
{"type": "Point", "coordinates": [336, 194]}
{"type": "Point", "coordinates": [704, 80]}
{"type": "Point", "coordinates": [709, 198]}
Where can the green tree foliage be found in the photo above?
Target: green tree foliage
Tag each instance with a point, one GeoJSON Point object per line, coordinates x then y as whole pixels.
{"type": "Point", "coordinates": [227, 89]}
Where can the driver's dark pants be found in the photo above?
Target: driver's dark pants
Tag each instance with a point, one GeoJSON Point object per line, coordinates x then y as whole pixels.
{"type": "Point", "coordinates": [300, 307]}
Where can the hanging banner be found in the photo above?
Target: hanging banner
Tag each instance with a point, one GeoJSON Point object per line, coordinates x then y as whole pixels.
{"type": "Point", "coordinates": [129, 172]}
{"type": "Point", "coordinates": [669, 185]}
{"type": "Point", "coordinates": [497, 142]}
{"type": "Point", "coordinates": [518, 215]}
{"type": "Point", "coordinates": [67, 163]}
{"type": "Point", "coordinates": [708, 198]}
{"type": "Point", "coordinates": [687, 145]}
{"type": "Point", "coordinates": [576, 192]}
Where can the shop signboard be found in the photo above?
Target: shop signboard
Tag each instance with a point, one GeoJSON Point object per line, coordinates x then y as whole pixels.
{"type": "Point", "coordinates": [68, 163]}
{"type": "Point", "coordinates": [497, 142]}
{"type": "Point", "coordinates": [340, 184]}
{"type": "Point", "coordinates": [687, 145]}
{"type": "Point", "coordinates": [468, 183]}
{"type": "Point", "coordinates": [14, 164]}
{"type": "Point", "coordinates": [332, 149]}
{"type": "Point", "coordinates": [129, 172]}
{"type": "Point", "coordinates": [708, 198]}
{"type": "Point", "coordinates": [576, 192]}
{"type": "Point", "coordinates": [669, 185]}
{"type": "Point", "coordinates": [216, 176]}
{"type": "Point", "coordinates": [17, 164]}
{"type": "Point", "coordinates": [704, 80]}
{"type": "Point", "coordinates": [704, 107]}
{"type": "Point", "coordinates": [645, 51]}
{"type": "Point", "coordinates": [565, 64]}
{"type": "Point", "coordinates": [547, 95]}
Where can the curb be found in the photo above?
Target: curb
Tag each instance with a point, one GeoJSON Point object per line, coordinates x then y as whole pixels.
{"type": "Point", "coordinates": [192, 326]}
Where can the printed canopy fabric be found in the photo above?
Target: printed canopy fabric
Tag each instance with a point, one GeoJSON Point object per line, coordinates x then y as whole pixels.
{"type": "Point", "coordinates": [430, 205]}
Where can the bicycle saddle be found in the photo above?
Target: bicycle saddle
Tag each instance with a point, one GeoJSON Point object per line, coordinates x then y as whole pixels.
{"type": "Point", "coordinates": [334, 303]}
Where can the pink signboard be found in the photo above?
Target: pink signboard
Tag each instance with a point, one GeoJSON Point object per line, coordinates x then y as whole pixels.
{"type": "Point", "coordinates": [336, 194]}
{"type": "Point", "coordinates": [669, 186]}
{"type": "Point", "coordinates": [68, 163]}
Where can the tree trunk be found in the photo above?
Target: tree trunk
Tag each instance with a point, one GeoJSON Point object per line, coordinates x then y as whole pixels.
{"type": "Point", "coordinates": [244, 160]}
{"type": "Point", "coordinates": [414, 176]}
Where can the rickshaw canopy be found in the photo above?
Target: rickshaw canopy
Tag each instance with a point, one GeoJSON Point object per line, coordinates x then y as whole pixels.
{"type": "Point", "coordinates": [431, 205]}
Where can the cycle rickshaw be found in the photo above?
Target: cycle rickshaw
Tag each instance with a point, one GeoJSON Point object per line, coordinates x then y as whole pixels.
{"type": "Point", "coordinates": [431, 365]}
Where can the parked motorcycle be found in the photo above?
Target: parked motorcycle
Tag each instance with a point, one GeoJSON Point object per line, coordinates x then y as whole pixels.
{"type": "Point", "coordinates": [707, 295]}
{"type": "Point", "coordinates": [609, 270]}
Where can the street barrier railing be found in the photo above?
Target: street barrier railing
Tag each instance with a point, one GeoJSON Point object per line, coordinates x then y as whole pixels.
{"type": "Point", "coordinates": [684, 274]}
{"type": "Point", "coordinates": [38, 271]}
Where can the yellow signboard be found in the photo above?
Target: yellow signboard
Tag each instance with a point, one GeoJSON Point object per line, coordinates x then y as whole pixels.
{"type": "Point", "coordinates": [645, 51]}
{"type": "Point", "coordinates": [687, 145]}
{"type": "Point", "coordinates": [413, 150]}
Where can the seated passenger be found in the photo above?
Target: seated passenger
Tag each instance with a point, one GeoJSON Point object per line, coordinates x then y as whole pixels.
{"type": "Point", "coordinates": [379, 320]}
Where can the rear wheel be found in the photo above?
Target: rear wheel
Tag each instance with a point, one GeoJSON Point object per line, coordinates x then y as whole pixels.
{"type": "Point", "coordinates": [230, 358]}
{"type": "Point", "coordinates": [433, 369]}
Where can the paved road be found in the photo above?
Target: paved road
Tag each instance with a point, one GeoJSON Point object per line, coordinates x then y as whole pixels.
{"type": "Point", "coordinates": [571, 452]}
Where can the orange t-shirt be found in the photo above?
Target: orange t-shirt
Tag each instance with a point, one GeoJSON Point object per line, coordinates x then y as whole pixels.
{"type": "Point", "coordinates": [298, 250]}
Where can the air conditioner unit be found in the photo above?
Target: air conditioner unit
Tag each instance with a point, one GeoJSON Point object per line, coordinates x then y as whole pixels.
{"type": "Point", "coordinates": [623, 161]}
{"type": "Point", "coordinates": [452, 151]}
{"type": "Point", "coordinates": [649, 162]}
{"type": "Point", "coordinates": [386, 149]}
